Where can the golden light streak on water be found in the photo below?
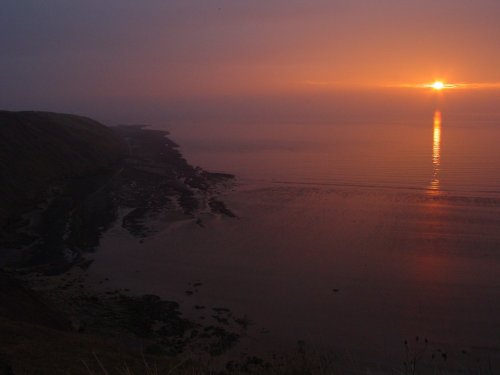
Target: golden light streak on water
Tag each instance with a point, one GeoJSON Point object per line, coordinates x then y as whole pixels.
{"type": "Point", "coordinates": [436, 152]}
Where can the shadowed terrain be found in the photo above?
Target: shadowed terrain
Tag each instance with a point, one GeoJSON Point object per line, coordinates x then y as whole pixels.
{"type": "Point", "coordinates": [38, 149]}
{"type": "Point", "coordinates": [65, 180]}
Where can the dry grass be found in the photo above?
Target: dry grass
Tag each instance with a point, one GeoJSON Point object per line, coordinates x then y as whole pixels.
{"type": "Point", "coordinates": [31, 349]}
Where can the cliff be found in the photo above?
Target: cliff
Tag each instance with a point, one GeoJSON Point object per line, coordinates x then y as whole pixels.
{"type": "Point", "coordinates": [65, 180]}
{"type": "Point", "coordinates": [40, 149]}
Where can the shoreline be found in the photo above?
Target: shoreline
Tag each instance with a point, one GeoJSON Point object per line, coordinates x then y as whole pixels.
{"type": "Point", "coordinates": [154, 182]}
{"type": "Point", "coordinates": [261, 265]}
{"type": "Point", "coordinates": [187, 261]}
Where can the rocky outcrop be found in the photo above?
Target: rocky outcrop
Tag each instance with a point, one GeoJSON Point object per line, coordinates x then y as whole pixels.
{"type": "Point", "coordinates": [64, 177]}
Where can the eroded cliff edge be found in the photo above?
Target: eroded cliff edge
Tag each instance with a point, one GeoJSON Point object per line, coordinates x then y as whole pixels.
{"type": "Point", "coordinates": [65, 177]}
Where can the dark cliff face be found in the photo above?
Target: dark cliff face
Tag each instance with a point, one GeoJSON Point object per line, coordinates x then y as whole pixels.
{"type": "Point", "coordinates": [50, 164]}
{"type": "Point", "coordinates": [63, 179]}
{"type": "Point", "coordinates": [38, 149]}
{"type": "Point", "coordinates": [39, 152]}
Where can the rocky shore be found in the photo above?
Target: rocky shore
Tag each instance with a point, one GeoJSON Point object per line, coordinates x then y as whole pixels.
{"type": "Point", "coordinates": [128, 173]}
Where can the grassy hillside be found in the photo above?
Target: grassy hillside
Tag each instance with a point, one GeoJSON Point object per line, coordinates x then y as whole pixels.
{"type": "Point", "coordinates": [41, 148]}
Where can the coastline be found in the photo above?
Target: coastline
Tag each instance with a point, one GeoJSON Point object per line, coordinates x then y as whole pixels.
{"type": "Point", "coordinates": [344, 270]}
{"type": "Point", "coordinates": [152, 184]}
{"type": "Point", "coordinates": [175, 262]}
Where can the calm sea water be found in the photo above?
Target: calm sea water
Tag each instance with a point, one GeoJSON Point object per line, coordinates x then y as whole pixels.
{"type": "Point", "coordinates": [353, 235]}
{"type": "Point", "coordinates": [439, 144]}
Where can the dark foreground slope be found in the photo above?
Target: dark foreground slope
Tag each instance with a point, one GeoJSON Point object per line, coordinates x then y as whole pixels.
{"type": "Point", "coordinates": [41, 154]}
{"type": "Point", "coordinates": [64, 181]}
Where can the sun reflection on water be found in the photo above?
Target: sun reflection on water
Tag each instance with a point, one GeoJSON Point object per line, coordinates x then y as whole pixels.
{"type": "Point", "coordinates": [436, 153]}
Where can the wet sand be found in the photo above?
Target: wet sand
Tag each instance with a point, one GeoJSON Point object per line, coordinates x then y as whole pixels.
{"type": "Point", "coordinates": [349, 269]}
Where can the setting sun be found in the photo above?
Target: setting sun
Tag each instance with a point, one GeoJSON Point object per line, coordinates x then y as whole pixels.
{"type": "Point", "coordinates": [438, 85]}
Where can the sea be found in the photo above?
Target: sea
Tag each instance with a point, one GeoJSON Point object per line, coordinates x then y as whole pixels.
{"type": "Point", "coordinates": [368, 226]}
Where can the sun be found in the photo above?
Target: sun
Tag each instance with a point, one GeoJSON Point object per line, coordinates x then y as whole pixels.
{"type": "Point", "coordinates": [438, 85]}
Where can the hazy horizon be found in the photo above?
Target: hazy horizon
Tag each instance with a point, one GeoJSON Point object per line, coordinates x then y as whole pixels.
{"type": "Point", "coordinates": [223, 60]}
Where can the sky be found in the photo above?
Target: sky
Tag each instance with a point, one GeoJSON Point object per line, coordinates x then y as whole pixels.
{"type": "Point", "coordinates": [128, 59]}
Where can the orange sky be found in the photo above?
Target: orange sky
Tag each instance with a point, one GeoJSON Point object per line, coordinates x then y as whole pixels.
{"type": "Point", "coordinates": [104, 52]}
